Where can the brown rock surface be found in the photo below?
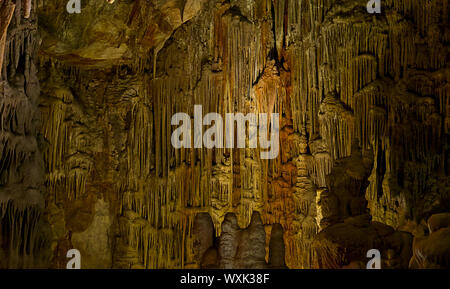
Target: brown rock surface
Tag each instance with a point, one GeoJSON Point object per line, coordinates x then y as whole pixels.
{"type": "Point", "coordinates": [85, 110]}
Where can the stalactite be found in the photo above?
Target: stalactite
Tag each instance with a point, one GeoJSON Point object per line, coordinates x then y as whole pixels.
{"type": "Point", "coordinates": [68, 167]}
{"type": "Point", "coordinates": [336, 126]}
{"type": "Point", "coordinates": [18, 225]}
{"type": "Point", "coordinates": [6, 13]}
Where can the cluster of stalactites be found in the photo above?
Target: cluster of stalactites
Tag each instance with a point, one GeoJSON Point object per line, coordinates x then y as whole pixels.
{"type": "Point", "coordinates": [21, 172]}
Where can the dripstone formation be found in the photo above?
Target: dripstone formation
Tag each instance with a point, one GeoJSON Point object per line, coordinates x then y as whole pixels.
{"type": "Point", "coordinates": [86, 159]}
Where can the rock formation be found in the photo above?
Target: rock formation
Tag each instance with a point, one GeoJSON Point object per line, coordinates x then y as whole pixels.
{"type": "Point", "coordinates": [86, 159]}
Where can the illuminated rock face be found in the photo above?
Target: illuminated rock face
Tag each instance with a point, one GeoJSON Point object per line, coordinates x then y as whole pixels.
{"type": "Point", "coordinates": [87, 160]}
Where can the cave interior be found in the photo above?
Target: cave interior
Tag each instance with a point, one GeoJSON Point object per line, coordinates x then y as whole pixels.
{"type": "Point", "coordinates": [87, 163]}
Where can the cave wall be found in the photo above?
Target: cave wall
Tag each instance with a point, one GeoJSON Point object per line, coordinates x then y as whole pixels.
{"type": "Point", "coordinates": [23, 241]}
{"type": "Point", "coordinates": [363, 162]}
